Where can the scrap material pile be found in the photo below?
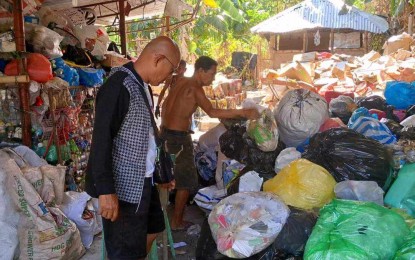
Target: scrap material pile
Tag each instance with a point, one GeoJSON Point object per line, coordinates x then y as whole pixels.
{"type": "Point", "coordinates": [43, 213]}
{"type": "Point", "coordinates": [330, 172]}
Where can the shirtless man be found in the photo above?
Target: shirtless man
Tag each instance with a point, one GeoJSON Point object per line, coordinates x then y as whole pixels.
{"type": "Point", "coordinates": [180, 104]}
{"type": "Point", "coordinates": [170, 83]}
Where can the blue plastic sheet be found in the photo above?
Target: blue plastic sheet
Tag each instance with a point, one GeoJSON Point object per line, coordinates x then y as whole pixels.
{"type": "Point", "coordinates": [400, 94]}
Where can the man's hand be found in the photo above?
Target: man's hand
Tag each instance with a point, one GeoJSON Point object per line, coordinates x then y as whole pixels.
{"type": "Point", "coordinates": [157, 112]}
{"type": "Point", "coordinates": [251, 113]}
{"type": "Point", "coordinates": [108, 206]}
{"type": "Point", "coordinates": [170, 186]}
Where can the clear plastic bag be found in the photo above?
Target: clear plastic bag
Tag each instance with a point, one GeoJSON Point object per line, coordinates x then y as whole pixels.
{"type": "Point", "coordinates": [246, 223]}
{"type": "Point", "coordinates": [264, 131]}
{"type": "Point", "coordinates": [359, 190]}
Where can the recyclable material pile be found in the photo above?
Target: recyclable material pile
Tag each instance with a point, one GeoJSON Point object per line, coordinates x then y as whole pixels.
{"type": "Point", "coordinates": [339, 154]}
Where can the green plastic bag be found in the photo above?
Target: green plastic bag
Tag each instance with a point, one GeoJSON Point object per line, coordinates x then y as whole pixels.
{"type": "Point", "coordinates": [407, 251]}
{"type": "Point", "coordinates": [357, 230]}
{"type": "Point", "coordinates": [402, 192]}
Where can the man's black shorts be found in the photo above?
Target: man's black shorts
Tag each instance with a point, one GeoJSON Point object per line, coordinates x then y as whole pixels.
{"type": "Point", "coordinates": [126, 238]}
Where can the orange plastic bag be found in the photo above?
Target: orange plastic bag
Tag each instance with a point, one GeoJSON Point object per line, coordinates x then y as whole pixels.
{"type": "Point", "coordinates": [38, 68]}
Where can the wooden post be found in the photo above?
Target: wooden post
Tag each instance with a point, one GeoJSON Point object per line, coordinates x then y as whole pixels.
{"type": "Point", "coordinates": [305, 41]}
{"type": "Point", "coordinates": [23, 87]}
{"type": "Point", "coordinates": [167, 26]}
{"type": "Point", "coordinates": [366, 42]}
{"type": "Point", "coordinates": [410, 24]}
{"type": "Point", "coordinates": [332, 41]}
{"type": "Point", "coordinates": [123, 35]}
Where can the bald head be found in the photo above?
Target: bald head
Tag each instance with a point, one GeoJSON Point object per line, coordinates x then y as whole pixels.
{"type": "Point", "coordinates": [158, 60]}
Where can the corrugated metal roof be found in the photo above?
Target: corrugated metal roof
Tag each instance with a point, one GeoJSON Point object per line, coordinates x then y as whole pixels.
{"type": "Point", "coordinates": [333, 14]}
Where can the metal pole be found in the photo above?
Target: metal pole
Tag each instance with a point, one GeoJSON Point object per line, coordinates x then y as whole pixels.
{"type": "Point", "coordinates": [23, 87]}
{"type": "Point", "coordinates": [123, 35]}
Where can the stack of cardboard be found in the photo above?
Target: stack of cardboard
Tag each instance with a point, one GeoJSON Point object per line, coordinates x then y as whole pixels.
{"type": "Point", "coordinates": [332, 75]}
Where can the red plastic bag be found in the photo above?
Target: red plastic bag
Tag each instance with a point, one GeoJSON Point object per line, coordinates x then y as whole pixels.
{"type": "Point", "coordinates": [334, 122]}
{"type": "Point", "coordinates": [38, 68]}
{"type": "Point", "coordinates": [330, 94]}
{"type": "Point", "coordinates": [381, 114]}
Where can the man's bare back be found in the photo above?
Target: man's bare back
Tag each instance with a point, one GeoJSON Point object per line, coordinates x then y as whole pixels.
{"type": "Point", "coordinates": [179, 105]}
{"type": "Point", "coordinates": [188, 94]}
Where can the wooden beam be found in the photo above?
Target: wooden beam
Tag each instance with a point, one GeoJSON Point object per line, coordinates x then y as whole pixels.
{"type": "Point", "coordinates": [366, 41]}
{"type": "Point", "coordinates": [332, 41]}
{"type": "Point", "coordinates": [410, 23]}
{"type": "Point", "coordinates": [123, 35]}
{"type": "Point", "coordinates": [23, 87]}
{"type": "Point", "coordinates": [305, 40]}
{"type": "Point", "coordinates": [14, 79]}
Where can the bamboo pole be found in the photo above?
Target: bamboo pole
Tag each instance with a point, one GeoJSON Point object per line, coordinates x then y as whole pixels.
{"type": "Point", "coordinates": [23, 87]}
{"type": "Point", "coordinates": [14, 79]}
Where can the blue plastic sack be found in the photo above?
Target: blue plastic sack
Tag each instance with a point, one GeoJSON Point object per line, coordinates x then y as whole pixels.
{"type": "Point", "coordinates": [361, 111]}
{"type": "Point", "coordinates": [374, 129]}
{"type": "Point", "coordinates": [400, 94]}
{"type": "Point", "coordinates": [65, 72]}
{"type": "Point", "coordinates": [206, 164]}
{"type": "Point", "coordinates": [90, 77]}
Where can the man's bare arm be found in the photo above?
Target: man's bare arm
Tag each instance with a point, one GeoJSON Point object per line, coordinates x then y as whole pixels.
{"type": "Point", "coordinates": [203, 102]}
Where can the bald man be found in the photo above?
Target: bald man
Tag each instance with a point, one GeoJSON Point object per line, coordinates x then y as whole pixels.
{"type": "Point", "coordinates": [123, 152]}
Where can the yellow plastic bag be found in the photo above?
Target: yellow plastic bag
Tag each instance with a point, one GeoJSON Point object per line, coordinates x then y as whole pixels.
{"type": "Point", "coordinates": [303, 184]}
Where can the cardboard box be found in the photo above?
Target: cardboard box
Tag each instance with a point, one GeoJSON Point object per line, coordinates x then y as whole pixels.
{"type": "Point", "coordinates": [396, 42]}
{"type": "Point", "coordinates": [231, 102]}
{"type": "Point", "coordinates": [305, 57]}
{"type": "Point", "coordinates": [113, 61]}
{"type": "Point", "coordinates": [222, 104]}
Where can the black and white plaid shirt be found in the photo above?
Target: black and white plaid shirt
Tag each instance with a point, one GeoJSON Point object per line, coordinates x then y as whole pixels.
{"type": "Point", "coordinates": [126, 153]}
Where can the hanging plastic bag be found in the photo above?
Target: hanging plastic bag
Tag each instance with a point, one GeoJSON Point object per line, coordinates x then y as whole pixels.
{"type": "Point", "coordinates": [65, 72]}
{"type": "Point", "coordinates": [246, 223]}
{"type": "Point", "coordinates": [402, 192]}
{"type": "Point", "coordinates": [38, 68]}
{"type": "Point", "coordinates": [286, 157]}
{"type": "Point", "coordinates": [360, 190]}
{"type": "Point", "coordinates": [264, 131]}
{"type": "Point", "coordinates": [303, 184]}
{"type": "Point", "coordinates": [399, 94]}
{"type": "Point", "coordinates": [374, 129]}
{"type": "Point", "coordinates": [299, 115]}
{"type": "Point", "coordinates": [348, 155]}
{"type": "Point", "coordinates": [44, 40]}
{"type": "Point", "coordinates": [89, 77]}
{"type": "Point", "coordinates": [93, 38]}
{"type": "Point", "coordinates": [358, 230]}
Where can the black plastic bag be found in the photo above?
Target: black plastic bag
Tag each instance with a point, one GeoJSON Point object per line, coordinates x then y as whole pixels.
{"type": "Point", "coordinates": [294, 235]}
{"type": "Point", "coordinates": [349, 155]}
{"type": "Point", "coordinates": [232, 144]}
{"type": "Point", "coordinates": [408, 133]}
{"type": "Point", "coordinates": [236, 144]}
{"type": "Point", "coordinates": [410, 111]}
{"type": "Point", "coordinates": [394, 126]}
{"type": "Point", "coordinates": [373, 102]}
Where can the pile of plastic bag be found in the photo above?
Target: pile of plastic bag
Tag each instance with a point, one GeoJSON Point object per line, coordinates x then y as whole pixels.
{"type": "Point", "coordinates": [246, 223]}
